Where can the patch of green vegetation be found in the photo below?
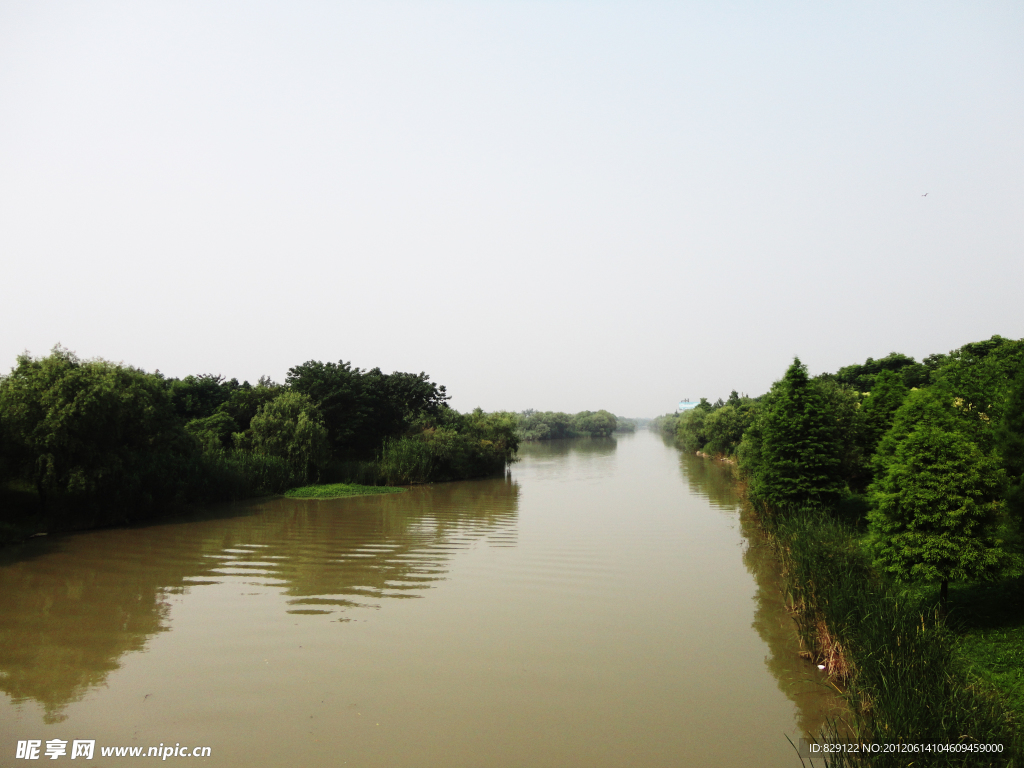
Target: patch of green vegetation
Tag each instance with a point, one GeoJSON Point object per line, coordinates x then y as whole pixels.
{"type": "Point", "coordinates": [989, 618]}
{"type": "Point", "coordinates": [339, 491]}
{"type": "Point", "coordinates": [555, 425]}
{"type": "Point", "coordinates": [909, 674]}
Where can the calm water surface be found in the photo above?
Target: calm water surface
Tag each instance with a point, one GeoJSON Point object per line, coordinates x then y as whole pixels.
{"type": "Point", "coordinates": [604, 605]}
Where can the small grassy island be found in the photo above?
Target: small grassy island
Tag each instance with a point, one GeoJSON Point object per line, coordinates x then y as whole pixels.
{"type": "Point", "coordinates": [339, 491]}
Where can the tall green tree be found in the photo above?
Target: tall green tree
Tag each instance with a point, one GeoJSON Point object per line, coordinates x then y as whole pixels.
{"type": "Point", "coordinates": [723, 428]}
{"type": "Point", "coordinates": [863, 377]}
{"type": "Point", "coordinates": [978, 377]}
{"type": "Point", "coordinates": [291, 428]}
{"type": "Point", "coordinates": [196, 397]}
{"type": "Point", "coordinates": [363, 408]}
{"type": "Point", "coordinates": [921, 407]}
{"type": "Point", "coordinates": [690, 429]}
{"type": "Point", "coordinates": [879, 408]}
{"type": "Point", "coordinates": [1010, 444]}
{"type": "Point", "coordinates": [936, 508]}
{"type": "Point", "coordinates": [800, 453]}
{"type": "Point", "coordinates": [336, 390]}
{"type": "Point", "coordinates": [843, 406]}
{"type": "Point", "coordinates": [394, 401]}
{"type": "Point", "coordinates": [545, 425]}
{"type": "Point", "coordinates": [214, 432]}
{"type": "Point", "coordinates": [245, 401]}
{"type": "Point", "coordinates": [91, 427]}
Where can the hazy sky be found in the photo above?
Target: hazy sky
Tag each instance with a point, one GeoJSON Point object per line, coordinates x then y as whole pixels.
{"type": "Point", "coordinates": [557, 205]}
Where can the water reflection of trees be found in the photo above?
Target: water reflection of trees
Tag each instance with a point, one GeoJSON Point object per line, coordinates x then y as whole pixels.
{"type": "Point", "coordinates": [73, 607]}
{"type": "Point", "coordinates": [712, 479]}
{"type": "Point", "coordinates": [797, 678]}
{"type": "Point", "coordinates": [544, 449]}
{"type": "Point", "coordinates": [69, 616]}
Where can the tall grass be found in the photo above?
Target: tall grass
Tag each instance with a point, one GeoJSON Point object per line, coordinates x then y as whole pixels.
{"type": "Point", "coordinates": [440, 454]}
{"type": "Point", "coordinates": [888, 647]}
{"type": "Point", "coordinates": [227, 475]}
{"type": "Point", "coordinates": [406, 460]}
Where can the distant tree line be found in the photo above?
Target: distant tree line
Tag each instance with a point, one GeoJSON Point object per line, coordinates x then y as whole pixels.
{"type": "Point", "coordinates": [714, 428]}
{"type": "Point", "coordinates": [554, 425]}
{"type": "Point", "coordinates": [115, 443]}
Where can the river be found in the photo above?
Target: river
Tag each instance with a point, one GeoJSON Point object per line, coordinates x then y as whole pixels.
{"type": "Point", "coordinates": [604, 604]}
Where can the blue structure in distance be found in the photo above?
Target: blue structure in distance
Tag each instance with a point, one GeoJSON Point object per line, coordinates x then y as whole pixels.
{"type": "Point", "coordinates": [686, 405]}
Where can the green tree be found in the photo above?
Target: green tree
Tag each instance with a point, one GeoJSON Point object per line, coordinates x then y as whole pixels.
{"type": "Point", "coordinates": [363, 408]}
{"type": "Point", "coordinates": [799, 457]}
{"type": "Point", "coordinates": [843, 406]}
{"type": "Point", "coordinates": [291, 428]}
{"type": "Point", "coordinates": [666, 425]}
{"type": "Point", "coordinates": [336, 390]}
{"type": "Point", "coordinates": [921, 407]}
{"type": "Point", "coordinates": [597, 423]}
{"type": "Point", "coordinates": [935, 510]}
{"type": "Point", "coordinates": [690, 429]}
{"type": "Point", "coordinates": [863, 377]}
{"type": "Point", "coordinates": [245, 402]}
{"type": "Point", "coordinates": [395, 401]}
{"type": "Point", "coordinates": [213, 432]}
{"type": "Point", "coordinates": [91, 427]}
{"type": "Point", "coordinates": [887, 395]}
{"type": "Point", "coordinates": [748, 452]}
{"type": "Point", "coordinates": [723, 428]}
{"type": "Point", "coordinates": [196, 397]}
{"type": "Point", "coordinates": [452, 446]}
{"type": "Point", "coordinates": [1010, 444]}
{"type": "Point", "coordinates": [978, 377]}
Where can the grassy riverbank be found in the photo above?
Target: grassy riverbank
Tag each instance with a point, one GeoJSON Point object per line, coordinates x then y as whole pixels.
{"type": "Point", "coordinates": [989, 619]}
{"type": "Point", "coordinates": [339, 491]}
{"type": "Point", "coordinates": [908, 675]}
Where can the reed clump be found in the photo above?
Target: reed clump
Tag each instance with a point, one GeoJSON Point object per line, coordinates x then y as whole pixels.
{"type": "Point", "coordinates": [888, 648]}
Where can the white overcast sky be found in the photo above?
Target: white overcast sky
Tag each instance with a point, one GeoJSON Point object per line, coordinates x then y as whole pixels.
{"type": "Point", "coordinates": [556, 205]}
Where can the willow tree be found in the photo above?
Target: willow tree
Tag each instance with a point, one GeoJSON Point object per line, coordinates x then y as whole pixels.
{"type": "Point", "coordinates": [291, 427]}
{"type": "Point", "coordinates": [92, 427]}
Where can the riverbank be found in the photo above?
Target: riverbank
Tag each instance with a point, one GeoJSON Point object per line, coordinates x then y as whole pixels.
{"type": "Point", "coordinates": [907, 674]}
{"type": "Point", "coordinates": [26, 518]}
{"type": "Point", "coordinates": [92, 443]}
{"type": "Point", "coordinates": [883, 486]}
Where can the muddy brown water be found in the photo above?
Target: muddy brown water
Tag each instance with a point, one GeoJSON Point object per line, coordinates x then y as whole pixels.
{"type": "Point", "coordinates": [606, 604]}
